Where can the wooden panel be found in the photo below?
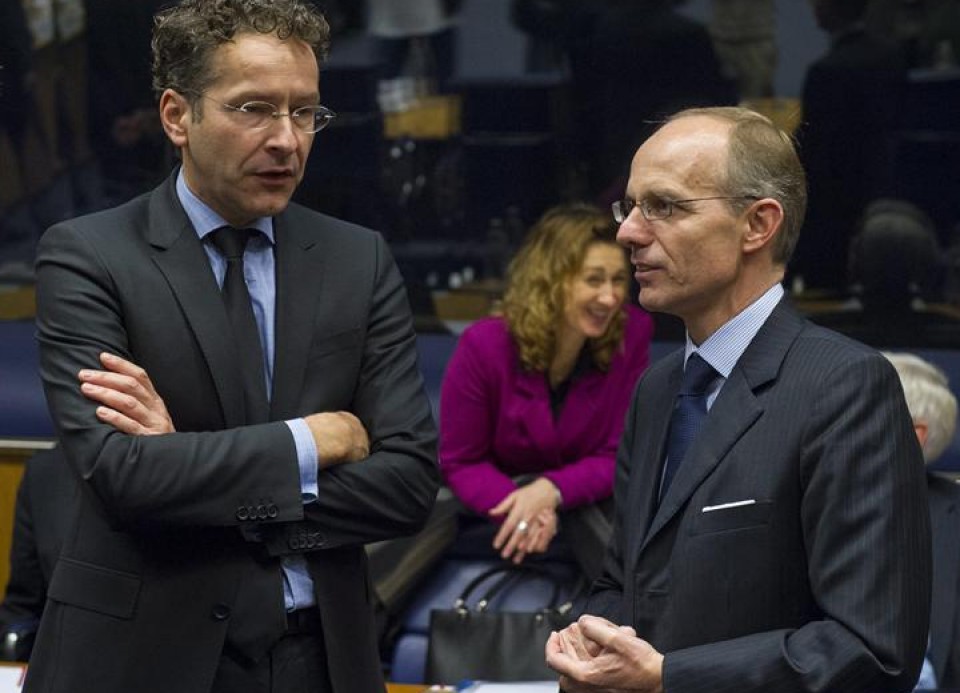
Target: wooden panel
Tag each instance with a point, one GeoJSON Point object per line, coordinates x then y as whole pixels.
{"type": "Point", "coordinates": [11, 470]}
{"type": "Point", "coordinates": [18, 303]}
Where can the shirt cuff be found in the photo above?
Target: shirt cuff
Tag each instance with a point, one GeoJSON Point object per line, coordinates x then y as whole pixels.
{"type": "Point", "coordinates": [307, 458]}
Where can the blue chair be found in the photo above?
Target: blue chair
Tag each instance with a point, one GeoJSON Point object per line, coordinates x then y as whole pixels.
{"type": "Point", "coordinates": [23, 407]}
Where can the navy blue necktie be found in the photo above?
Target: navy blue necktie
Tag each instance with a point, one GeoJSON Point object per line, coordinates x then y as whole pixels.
{"type": "Point", "coordinates": [689, 413]}
{"type": "Point", "coordinates": [231, 243]}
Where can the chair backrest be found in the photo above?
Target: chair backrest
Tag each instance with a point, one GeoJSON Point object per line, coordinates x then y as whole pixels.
{"type": "Point", "coordinates": [23, 407]}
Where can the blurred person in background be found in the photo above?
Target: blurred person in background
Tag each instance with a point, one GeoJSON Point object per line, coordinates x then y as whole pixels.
{"type": "Point", "coordinates": [933, 408]}
{"type": "Point", "coordinates": [533, 399]}
{"type": "Point", "coordinates": [852, 96]}
{"type": "Point", "coordinates": [744, 35]}
{"type": "Point", "coordinates": [416, 39]}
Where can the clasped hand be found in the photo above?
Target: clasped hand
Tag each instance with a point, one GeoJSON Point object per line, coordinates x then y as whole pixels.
{"type": "Point", "coordinates": [529, 520]}
{"type": "Point", "coordinates": [594, 655]}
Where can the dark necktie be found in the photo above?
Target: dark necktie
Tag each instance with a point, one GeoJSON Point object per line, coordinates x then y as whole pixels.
{"type": "Point", "coordinates": [257, 619]}
{"type": "Point", "coordinates": [689, 412]}
{"type": "Point", "coordinates": [231, 243]}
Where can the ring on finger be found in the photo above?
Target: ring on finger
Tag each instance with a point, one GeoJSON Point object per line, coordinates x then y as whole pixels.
{"type": "Point", "coordinates": [522, 526]}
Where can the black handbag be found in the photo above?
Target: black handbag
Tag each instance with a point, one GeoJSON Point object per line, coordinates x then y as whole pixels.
{"type": "Point", "coordinates": [481, 644]}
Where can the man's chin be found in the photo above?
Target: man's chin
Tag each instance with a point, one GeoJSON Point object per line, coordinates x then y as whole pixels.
{"type": "Point", "coordinates": [653, 302]}
{"type": "Point", "coordinates": [268, 206]}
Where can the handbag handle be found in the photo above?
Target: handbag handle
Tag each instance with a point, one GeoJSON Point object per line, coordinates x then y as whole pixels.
{"type": "Point", "coordinates": [511, 572]}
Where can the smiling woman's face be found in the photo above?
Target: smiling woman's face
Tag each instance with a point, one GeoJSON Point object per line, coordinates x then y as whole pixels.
{"type": "Point", "coordinates": [597, 291]}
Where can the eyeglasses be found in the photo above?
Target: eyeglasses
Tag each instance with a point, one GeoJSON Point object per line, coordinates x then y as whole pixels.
{"type": "Point", "coordinates": [655, 208]}
{"type": "Point", "coordinates": [258, 115]}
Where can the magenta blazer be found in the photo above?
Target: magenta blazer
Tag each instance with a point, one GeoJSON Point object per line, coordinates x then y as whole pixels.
{"type": "Point", "coordinates": [496, 421]}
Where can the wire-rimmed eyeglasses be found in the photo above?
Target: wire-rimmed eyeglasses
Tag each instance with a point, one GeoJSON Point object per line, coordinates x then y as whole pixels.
{"type": "Point", "coordinates": [258, 115]}
{"type": "Point", "coordinates": [655, 208]}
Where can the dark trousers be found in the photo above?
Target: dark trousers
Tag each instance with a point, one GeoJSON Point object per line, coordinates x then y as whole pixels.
{"type": "Point", "coordinates": [296, 664]}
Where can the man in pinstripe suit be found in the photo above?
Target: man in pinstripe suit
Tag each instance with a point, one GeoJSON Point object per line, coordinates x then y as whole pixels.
{"type": "Point", "coordinates": [791, 551]}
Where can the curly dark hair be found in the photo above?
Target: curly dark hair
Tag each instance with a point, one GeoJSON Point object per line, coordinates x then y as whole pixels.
{"type": "Point", "coordinates": [186, 35]}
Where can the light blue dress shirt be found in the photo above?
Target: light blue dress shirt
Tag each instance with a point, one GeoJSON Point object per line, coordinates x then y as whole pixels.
{"type": "Point", "coordinates": [724, 347]}
{"type": "Point", "coordinates": [258, 267]}
{"type": "Point", "coordinates": [928, 678]}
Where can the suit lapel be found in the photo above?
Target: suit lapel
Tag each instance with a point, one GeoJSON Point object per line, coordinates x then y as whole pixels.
{"type": "Point", "coordinates": [735, 410]}
{"type": "Point", "coordinates": [534, 413]}
{"type": "Point", "coordinates": [299, 259]}
{"type": "Point", "coordinates": [651, 425]}
{"type": "Point", "coordinates": [732, 414]}
{"type": "Point", "coordinates": [180, 257]}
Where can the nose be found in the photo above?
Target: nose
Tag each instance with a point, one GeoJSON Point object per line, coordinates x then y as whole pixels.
{"type": "Point", "coordinates": [634, 230]}
{"type": "Point", "coordinates": [608, 295]}
{"type": "Point", "coordinates": [283, 134]}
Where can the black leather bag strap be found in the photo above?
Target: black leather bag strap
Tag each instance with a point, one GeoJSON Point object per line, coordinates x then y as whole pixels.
{"type": "Point", "coordinates": [510, 574]}
{"type": "Point", "coordinates": [515, 573]}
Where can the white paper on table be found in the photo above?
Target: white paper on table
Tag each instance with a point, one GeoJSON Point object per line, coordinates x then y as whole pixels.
{"type": "Point", "coordinates": [11, 678]}
{"type": "Point", "coordinates": [517, 687]}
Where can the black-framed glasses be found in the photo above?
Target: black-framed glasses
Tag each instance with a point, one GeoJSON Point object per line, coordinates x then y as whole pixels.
{"type": "Point", "coordinates": [258, 115]}
{"type": "Point", "coordinates": [655, 208]}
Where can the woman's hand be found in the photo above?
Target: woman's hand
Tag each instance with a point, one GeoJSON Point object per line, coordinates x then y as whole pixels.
{"type": "Point", "coordinates": [529, 520]}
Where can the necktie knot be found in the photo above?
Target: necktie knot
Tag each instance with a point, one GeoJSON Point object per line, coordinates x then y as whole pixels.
{"type": "Point", "coordinates": [231, 242]}
{"type": "Point", "coordinates": [697, 376]}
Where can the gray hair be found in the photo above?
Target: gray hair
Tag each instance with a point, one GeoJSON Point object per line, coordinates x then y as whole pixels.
{"type": "Point", "coordinates": [929, 399]}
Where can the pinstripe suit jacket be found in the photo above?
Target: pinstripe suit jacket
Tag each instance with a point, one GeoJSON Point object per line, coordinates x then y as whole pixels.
{"type": "Point", "coordinates": [821, 580]}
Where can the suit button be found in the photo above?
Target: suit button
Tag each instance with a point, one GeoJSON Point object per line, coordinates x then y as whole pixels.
{"type": "Point", "coordinates": [272, 511]}
{"type": "Point", "coordinates": [242, 513]}
{"type": "Point", "coordinates": [262, 512]}
{"type": "Point", "coordinates": [252, 512]}
{"type": "Point", "coordinates": [220, 612]}
{"type": "Point", "coordinates": [294, 543]}
{"type": "Point", "coordinates": [311, 540]}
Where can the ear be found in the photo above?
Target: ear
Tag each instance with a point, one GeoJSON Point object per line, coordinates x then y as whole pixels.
{"type": "Point", "coordinates": [922, 432]}
{"type": "Point", "coordinates": [764, 219]}
{"type": "Point", "coordinates": [175, 115]}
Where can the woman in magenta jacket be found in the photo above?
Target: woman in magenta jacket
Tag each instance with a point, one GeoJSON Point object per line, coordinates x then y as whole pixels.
{"type": "Point", "coordinates": [533, 401]}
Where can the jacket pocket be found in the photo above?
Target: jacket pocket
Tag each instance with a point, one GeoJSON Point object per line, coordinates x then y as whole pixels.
{"type": "Point", "coordinates": [735, 517]}
{"type": "Point", "coordinates": [93, 587]}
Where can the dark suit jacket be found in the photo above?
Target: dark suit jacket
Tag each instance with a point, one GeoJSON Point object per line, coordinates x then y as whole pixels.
{"type": "Point", "coordinates": [45, 505]}
{"type": "Point", "coordinates": [177, 541]}
{"type": "Point", "coordinates": [944, 496]}
{"type": "Point", "coordinates": [822, 582]}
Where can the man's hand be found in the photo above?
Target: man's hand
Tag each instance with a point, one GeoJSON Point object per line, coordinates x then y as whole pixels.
{"type": "Point", "coordinates": [127, 398]}
{"type": "Point", "coordinates": [531, 520]}
{"type": "Point", "coordinates": [594, 655]}
{"type": "Point", "coordinates": [340, 437]}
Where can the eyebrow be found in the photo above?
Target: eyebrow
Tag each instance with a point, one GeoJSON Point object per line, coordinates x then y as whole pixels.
{"type": "Point", "coordinates": [244, 97]}
{"type": "Point", "coordinates": [660, 193]}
